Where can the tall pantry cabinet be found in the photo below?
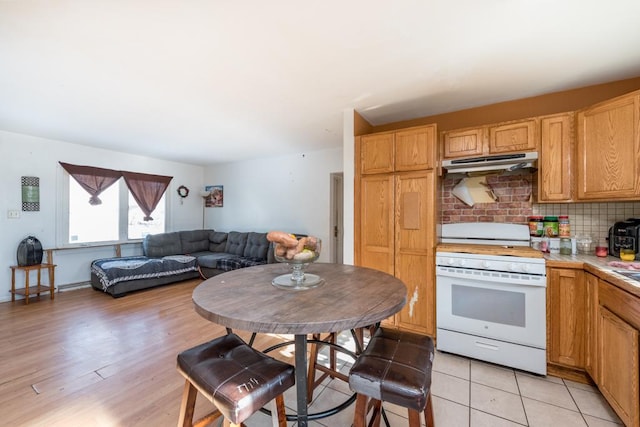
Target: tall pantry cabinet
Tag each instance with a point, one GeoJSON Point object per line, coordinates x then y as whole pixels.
{"type": "Point", "coordinates": [395, 216]}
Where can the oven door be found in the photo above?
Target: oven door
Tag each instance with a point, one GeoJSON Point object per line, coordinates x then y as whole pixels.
{"type": "Point", "coordinates": [508, 307]}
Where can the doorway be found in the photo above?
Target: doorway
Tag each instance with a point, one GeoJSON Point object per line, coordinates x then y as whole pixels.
{"type": "Point", "coordinates": [337, 205]}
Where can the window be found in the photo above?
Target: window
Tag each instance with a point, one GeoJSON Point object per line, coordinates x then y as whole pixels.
{"type": "Point", "coordinates": [93, 223]}
{"type": "Point", "coordinates": [118, 218]}
{"type": "Point", "coordinates": [137, 228]}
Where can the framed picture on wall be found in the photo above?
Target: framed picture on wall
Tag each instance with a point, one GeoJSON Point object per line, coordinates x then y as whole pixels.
{"type": "Point", "coordinates": [216, 196]}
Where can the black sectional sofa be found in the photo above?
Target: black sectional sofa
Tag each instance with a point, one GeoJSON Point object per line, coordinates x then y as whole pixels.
{"type": "Point", "coordinates": [181, 255]}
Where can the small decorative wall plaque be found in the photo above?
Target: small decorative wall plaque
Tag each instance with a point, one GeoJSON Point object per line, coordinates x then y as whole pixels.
{"type": "Point", "coordinates": [30, 193]}
{"type": "Point", "coordinates": [216, 196]}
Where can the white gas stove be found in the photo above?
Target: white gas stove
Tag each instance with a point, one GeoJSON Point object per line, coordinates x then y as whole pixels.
{"type": "Point", "coordinates": [491, 295]}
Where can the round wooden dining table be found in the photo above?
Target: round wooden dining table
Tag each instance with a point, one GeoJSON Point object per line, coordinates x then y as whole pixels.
{"type": "Point", "coordinates": [350, 297]}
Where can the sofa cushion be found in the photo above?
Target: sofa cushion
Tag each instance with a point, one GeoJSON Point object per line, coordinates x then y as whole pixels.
{"type": "Point", "coordinates": [217, 241]}
{"type": "Point", "coordinates": [236, 242]}
{"type": "Point", "coordinates": [257, 245]}
{"type": "Point", "coordinates": [234, 263]}
{"type": "Point", "coordinates": [195, 240]}
{"type": "Point", "coordinates": [211, 260]}
{"type": "Point", "coordinates": [163, 244]}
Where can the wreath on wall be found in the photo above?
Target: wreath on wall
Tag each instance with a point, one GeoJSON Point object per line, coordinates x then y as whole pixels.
{"type": "Point", "coordinates": [183, 191]}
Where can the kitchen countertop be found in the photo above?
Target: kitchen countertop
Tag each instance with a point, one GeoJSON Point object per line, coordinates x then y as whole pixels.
{"type": "Point", "coordinates": [598, 266]}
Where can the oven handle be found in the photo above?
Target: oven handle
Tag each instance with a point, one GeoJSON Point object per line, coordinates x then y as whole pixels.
{"type": "Point", "coordinates": [487, 346]}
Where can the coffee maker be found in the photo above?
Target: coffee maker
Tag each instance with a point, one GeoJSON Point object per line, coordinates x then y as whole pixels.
{"type": "Point", "coordinates": [624, 234]}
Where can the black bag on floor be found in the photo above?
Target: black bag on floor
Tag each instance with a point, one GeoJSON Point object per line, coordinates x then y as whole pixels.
{"type": "Point", "coordinates": [29, 252]}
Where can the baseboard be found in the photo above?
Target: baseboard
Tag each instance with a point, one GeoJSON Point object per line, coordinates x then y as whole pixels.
{"type": "Point", "coordinates": [573, 374]}
{"type": "Point", "coordinates": [73, 286]}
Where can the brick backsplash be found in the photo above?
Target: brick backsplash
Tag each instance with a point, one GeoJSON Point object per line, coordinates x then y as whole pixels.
{"type": "Point", "coordinates": [514, 205]}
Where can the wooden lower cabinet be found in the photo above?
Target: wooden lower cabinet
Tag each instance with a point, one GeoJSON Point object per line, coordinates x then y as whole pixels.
{"type": "Point", "coordinates": [618, 366]}
{"type": "Point", "coordinates": [395, 233]}
{"type": "Point", "coordinates": [591, 361]}
{"type": "Point", "coordinates": [593, 335]}
{"type": "Point", "coordinates": [415, 249]}
{"type": "Point", "coordinates": [566, 319]}
{"type": "Point", "coordinates": [375, 245]}
{"type": "Point", "coordinates": [617, 351]}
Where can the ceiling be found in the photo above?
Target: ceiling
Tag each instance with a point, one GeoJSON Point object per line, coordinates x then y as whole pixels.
{"type": "Point", "coordinates": [224, 80]}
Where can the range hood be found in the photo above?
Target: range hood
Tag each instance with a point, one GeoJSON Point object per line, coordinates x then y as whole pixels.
{"type": "Point", "coordinates": [522, 162]}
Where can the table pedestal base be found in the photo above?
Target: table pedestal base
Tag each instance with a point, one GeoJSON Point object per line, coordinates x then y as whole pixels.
{"type": "Point", "coordinates": [300, 344]}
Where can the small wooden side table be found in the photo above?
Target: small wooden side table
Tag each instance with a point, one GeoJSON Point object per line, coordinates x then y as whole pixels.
{"type": "Point", "coordinates": [30, 290]}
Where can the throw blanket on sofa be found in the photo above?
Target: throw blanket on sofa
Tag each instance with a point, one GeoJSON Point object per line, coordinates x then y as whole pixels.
{"type": "Point", "coordinates": [113, 270]}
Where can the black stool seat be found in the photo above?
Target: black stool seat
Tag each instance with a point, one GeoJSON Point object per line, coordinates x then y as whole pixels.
{"type": "Point", "coordinates": [238, 379]}
{"type": "Point", "coordinates": [395, 367]}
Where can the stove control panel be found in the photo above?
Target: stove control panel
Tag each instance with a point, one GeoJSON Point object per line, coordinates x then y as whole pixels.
{"type": "Point", "coordinates": [511, 264]}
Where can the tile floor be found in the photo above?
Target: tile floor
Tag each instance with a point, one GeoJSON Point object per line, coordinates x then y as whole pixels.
{"type": "Point", "coordinates": [470, 393]}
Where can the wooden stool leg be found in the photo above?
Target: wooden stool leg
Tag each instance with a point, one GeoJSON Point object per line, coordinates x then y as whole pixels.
{"type": "Point", "coordinates": [278, 415]}
{"type": "Point", "coordinates": [311, 376]}
{"type": "Point", "coordinates": [359, 418]}
{"type": "Point", "coordinates": [376, 416]}
{"type": "Point", "coordinates": [333, 339]}
{"type": "Point", "coordinates": [188, 404]}
{"type": "Point", "coordinates": [52, 278]}
{"type": "Point", "coordinates": [428, 412]}
{"type": "Point", "coordinates": [414, 418]}
{"type": "Point", "coordinates": [359, 335]}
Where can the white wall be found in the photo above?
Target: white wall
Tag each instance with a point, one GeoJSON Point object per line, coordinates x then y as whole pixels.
{"type": "Point", "coordinates": [23, 155]}
{"type": "Point", "coordinates": [288, 193]}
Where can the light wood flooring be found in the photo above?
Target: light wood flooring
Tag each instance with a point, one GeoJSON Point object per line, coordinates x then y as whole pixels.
{"type": "Point", "coordinates": [87, 359]}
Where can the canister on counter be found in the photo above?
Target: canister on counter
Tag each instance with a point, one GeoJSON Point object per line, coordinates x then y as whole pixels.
{"type": "Point", "coordinates": [536, 226]}
{"type": "Point", "coordinates": [551, 226]}
{"type": "Point", "coordinates": [536, 243]}
{"type": "Point", "coordinates": [554, 245]}
{"type": "Point", "coordinates": [565, 246]}
{"type": "Point", "coordinates": [564, 226]}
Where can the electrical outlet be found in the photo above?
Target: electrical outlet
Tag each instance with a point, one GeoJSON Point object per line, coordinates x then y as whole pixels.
{"type": "Point", "coordinates": [13, 214]}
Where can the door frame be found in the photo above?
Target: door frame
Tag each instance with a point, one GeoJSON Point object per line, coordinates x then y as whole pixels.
{"type": "Point", "coordinates": [336, 226]}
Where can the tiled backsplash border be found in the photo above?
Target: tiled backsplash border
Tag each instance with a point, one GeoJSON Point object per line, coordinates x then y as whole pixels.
{"type": "Point", "coordinates": [514, 206]}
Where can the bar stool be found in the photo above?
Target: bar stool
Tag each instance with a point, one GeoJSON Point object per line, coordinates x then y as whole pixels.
{"type": "Point", "coordinates": [313, 381]}
{"type": "Point", "coordinates": [396, 368]}
{"type": "Point", "coordinates": [237, 379]}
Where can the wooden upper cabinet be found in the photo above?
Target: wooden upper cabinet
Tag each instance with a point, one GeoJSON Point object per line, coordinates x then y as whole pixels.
{"type": "Point", "coordinates": [513, 137]}
{"type": "Point", "coordinates": [557, 145]}
{"type": "Point", "coordinates": [416, 148]}
{"type": "Point", "coordinates": [406, 150]}
{"type": "Point", "coordinates": [463, 143]}
{"type": "Point", "coordinates": [608, 150]}
{"type": "Point", "coordinates": [508, 137]}
{"type": "Point", "coordinates": [376, 153]}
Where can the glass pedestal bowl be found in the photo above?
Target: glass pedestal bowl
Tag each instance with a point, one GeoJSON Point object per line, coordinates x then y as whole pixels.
{"type": "Point", "coordinates": [298, 279]}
